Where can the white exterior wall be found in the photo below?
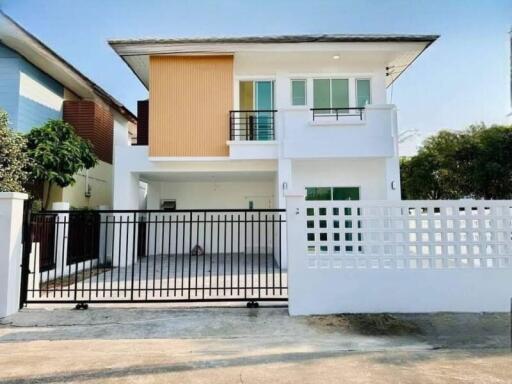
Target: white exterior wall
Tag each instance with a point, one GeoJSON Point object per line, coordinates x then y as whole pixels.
{"type": "Point", "coordinates": [367, 174]}
{"type": "Point", "coordinates": [213, 195]}
{"type": "Point", "coordinates": [99, 182]}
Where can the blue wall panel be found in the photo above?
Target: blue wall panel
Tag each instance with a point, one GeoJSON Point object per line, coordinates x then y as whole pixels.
{"type": "Point", "coordinates": [9, 83]}
{"type": "Point", "coordinates": [31, 112]}
{"type": "Point", "coordinates": [25, 112]}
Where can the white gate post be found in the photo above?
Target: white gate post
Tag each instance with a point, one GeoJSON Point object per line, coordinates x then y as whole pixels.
{"type": "Point", "coordinates": [296, 249]}
{"type": "Point", "coordinates": [61, 240]}
{"type": "Point", "coordinates": [11, 226]}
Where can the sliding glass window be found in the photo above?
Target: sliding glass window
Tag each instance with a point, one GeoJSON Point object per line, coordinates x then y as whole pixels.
{"type": "Point", "coordinates": [298, 92]}
{"type": "Point", "coordinates": [363, 92]}
{"type": "Point", "coordinates": [330, 93]}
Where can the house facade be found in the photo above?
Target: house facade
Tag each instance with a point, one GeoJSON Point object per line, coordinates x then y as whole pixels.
{"type": "Point", "coordinates": [236, 122]}
{"type": "Point", "coordinates": [37, 85]}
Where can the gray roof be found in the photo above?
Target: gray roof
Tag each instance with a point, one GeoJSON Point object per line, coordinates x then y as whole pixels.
{"type": "Point", "coordinates": [320, 38]}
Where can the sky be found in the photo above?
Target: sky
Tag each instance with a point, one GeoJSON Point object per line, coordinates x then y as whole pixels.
{"type": "Point", "coordinates": [462, 79]}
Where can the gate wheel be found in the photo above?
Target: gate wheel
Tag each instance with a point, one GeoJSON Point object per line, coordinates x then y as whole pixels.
{"type": "Point", "coordinates": [252, 304]}
{"type": "Point", "coordinates": [83, 306]}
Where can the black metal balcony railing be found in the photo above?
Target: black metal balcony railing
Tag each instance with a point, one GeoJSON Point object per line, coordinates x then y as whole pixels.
{"type": "Point", "coordinates": [337, 113]}
{"type": "Point", "coordinates": [252, 125]}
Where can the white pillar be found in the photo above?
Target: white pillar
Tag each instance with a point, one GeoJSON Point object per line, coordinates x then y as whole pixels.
{"type": "Point", "coordinates": [61, 242]}
{"type": "Point", "coordinates": [126, 197]}
{"type": "Point", "coordinates": [297, 261]}
{"type": "Point", "coordinates": [392, 164]}
{"type": "Point", "coordinates": [11, 224]}
{"type": "Point", "coordinates": [126, 189]}
{"type": "Point", "coordinates": [393, 189]}
{"type": "Point", "coordinates": [283, 185]}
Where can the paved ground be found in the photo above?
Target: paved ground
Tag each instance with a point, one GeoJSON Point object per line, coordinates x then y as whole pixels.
{"type": "Point", "coordinates": [239, 345]}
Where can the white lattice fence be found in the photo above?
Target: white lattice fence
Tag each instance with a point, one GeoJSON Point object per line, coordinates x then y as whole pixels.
{"type": "Point", "coordinates": [409, 234]}
{"type": "Point", "coordinates": [409, 249]}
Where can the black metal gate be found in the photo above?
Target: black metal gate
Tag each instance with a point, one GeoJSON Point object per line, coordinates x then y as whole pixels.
{"type": "Point", "coordinates": [154, 256]}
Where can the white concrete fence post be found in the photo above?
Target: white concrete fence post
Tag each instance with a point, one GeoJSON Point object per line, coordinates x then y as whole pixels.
{"type": "Point", "coordinates": [296, 248]}
{"type": "Point", "coordinates": [61, 239]}
{"type": "Point", "coordinates": [11, 228]}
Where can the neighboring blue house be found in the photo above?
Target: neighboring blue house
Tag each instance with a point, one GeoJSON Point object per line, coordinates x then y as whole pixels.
{"type": "Point", "coordinates": [37, 85]}
{"type": "Point", "coordinates": [29, 96]}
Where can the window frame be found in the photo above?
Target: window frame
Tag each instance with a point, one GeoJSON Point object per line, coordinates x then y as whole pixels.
{"type": "Point", "coordinates": [305, 80]}
{"type": "Point", "coordinates": [236, 88]}
{"type": "Point", "coordinates": [331, 78]}
{"type": "Point", "coordinates": [370, 88]}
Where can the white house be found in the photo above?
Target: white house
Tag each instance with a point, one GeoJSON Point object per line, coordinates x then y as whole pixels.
{"type": "Point", "coordinates": [236, 122]}
{"type": "Point", "coordinates": [250, 149]}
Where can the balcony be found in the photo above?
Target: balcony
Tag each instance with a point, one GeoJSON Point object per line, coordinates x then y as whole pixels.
{"type": "Point", "coordinates": [340, 133]}
{"type": "Point", "coordinates": [252, 134]}
{"type": "Point", "coordinates": [252, 125]}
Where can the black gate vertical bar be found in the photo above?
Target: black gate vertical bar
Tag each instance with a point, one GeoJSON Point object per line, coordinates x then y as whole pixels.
{"type": "Point", "coordinates": [231, 259]}
{"type": "Point", "coordinates": [280, 261]}
{"type": "Point", "coordinates": [245, 255]}
{"type": "Point", "coordinates": [204, 253]}
{"type": "Point", "coordinates": [196, 254]}
{"type": "Point", "coordinates": [238, 257]}
{"type": "Point", "coordinates": [190, 253]}
{"type": "Point", "coordinates": [169, 253]}
{"type": "Point", "coordinates": [26, 238]}
{"type": "Point", "coordinates": [259, 255]}
{"type": "Point", "coordinates": [211, 255]}
{"type": "Point", "coordinates": [134, 253]}
{"type": "Point", "coordinates": [154, 254]}
{"type": "Point", "coordinates": [224, 254]}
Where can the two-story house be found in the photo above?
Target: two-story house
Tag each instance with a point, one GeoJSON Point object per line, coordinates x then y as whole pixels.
{"type": "Point", "coordinates": [36, 85]}
{"type": "Point", "coordinates": [236, 122]}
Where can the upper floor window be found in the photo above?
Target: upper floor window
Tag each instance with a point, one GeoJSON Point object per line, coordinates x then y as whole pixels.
{"type": "Point", "coordinates": [299, 92]}
{"type": "Point", "coordinates": [256, 95]}
{"type": "Point", "coordinates": [330, 93]}
{"type": "Point", "coordinates": [363, 93]}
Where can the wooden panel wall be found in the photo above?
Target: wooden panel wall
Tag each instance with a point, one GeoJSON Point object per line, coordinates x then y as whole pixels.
{"type": "Point", "coordinates": [93, 122]}
{"type": "Point", "coordinates": [189, 102]}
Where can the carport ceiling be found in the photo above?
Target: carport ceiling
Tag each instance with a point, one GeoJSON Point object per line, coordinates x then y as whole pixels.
{"type": "Point", "coordinates": [208, 176]}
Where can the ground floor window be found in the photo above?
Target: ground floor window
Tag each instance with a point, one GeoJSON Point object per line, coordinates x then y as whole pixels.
{"type": "Point", "coordinates": [332, 193]}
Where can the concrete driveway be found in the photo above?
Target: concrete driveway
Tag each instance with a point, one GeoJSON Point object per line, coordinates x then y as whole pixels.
{"type": "Point", "coordinates": [238, 345]}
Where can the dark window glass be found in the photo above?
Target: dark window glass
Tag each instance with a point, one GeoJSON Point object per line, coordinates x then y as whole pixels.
{"type": "Point", "coordinates": [318, 193]}
{"type": "Point", "coordinates": [345, 193]}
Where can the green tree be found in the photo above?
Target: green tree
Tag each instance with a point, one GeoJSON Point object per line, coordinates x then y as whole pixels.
{"type": "Point", "coordinates": [58, 153]}
{"type": "Point", "coordinates": [13, 158]}
{"type": "Point", "coordinates": [476, 162]}
{"type": "Point", "coordinates": [490, 176]}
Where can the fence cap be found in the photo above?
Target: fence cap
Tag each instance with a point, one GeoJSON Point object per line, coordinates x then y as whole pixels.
{"type": "Point", "coordinates": [13, 196]}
